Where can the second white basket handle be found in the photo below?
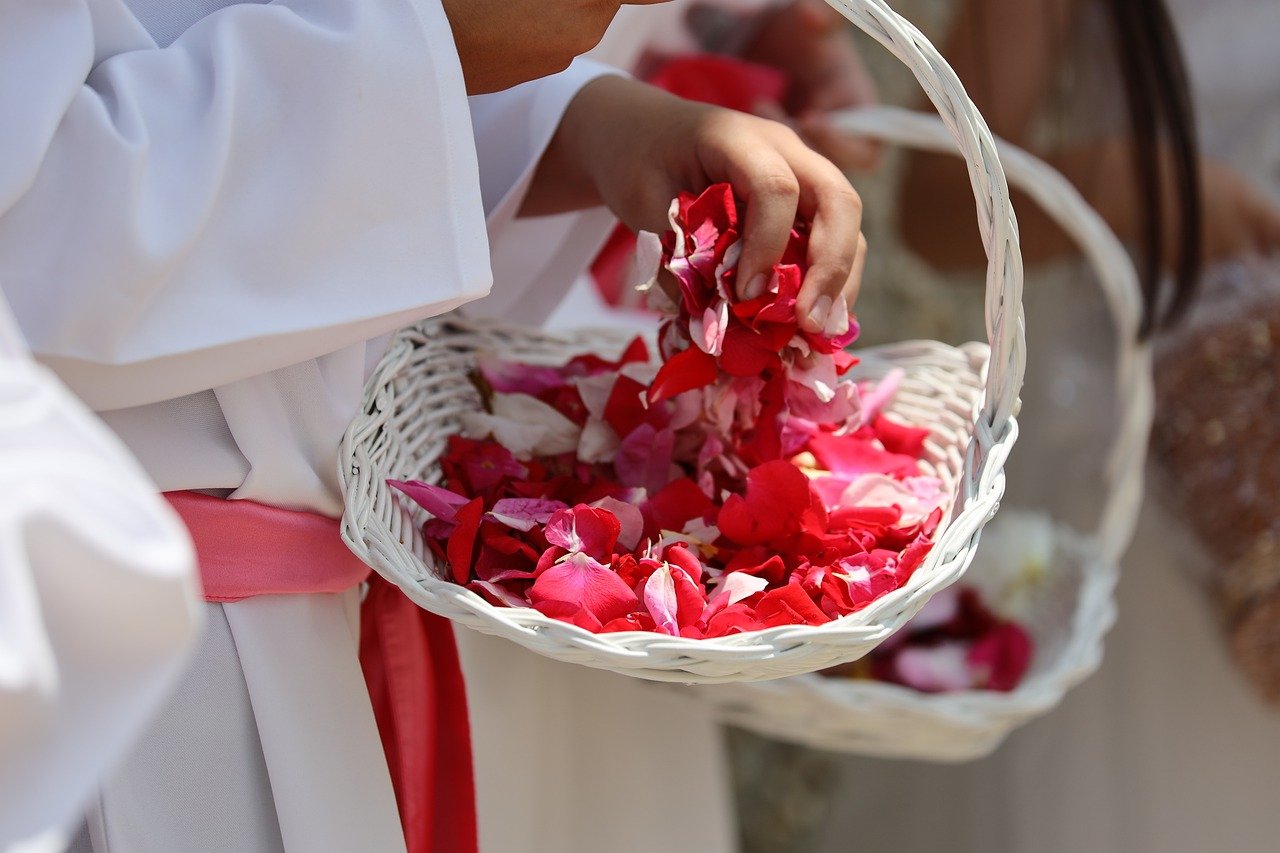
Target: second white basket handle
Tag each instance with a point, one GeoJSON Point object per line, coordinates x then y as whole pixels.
{"type": "Point", "coordinates": [1116, 276]}
{"type": "Point", "coordinates": [996, 222]}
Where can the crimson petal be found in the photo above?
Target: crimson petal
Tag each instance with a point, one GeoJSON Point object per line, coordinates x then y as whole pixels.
{"type": "Point", "coordinates": [686, 370]}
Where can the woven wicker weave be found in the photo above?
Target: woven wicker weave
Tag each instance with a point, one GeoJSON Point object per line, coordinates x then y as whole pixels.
{"type": "Point", "coordinates": [1078, 605]}
{"type": "Point", "coordinates": [967, 398]}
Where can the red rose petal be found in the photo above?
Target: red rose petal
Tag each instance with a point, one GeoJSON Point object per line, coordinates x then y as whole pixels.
{"type": "Point", "coordinates": [462, 541]}
{"type": "Point", "coordinates": [778, 495]}
{"type": "Point", "coordinates": [678, 503]}
{"type": "Point", "coordinates": [1003, 655]}
{"type": "Point", "coordinates": [686, 370]}
{"type": "Point", "coordinates": [898, 438]}
{"type": "Point", "coordinates": [789, 605]}
{"type": "Point", "coordinates": [591, 530]}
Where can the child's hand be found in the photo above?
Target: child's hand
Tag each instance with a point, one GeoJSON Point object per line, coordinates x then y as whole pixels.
{"type": "Point", "coordinates": [635, 148]}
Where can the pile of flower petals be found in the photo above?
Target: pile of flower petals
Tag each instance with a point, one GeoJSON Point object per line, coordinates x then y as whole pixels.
{"type": "Point", "coordinates": [955, 643]}
{"type": "Point", "coordinates": [733, 486]}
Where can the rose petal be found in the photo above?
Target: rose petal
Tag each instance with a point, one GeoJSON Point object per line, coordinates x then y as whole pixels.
{"type": "Point", "coordinates": [462, 541]}
{"type": "Point", "coordinates": [660, 600]}
{"type": "Point", "coordinates": [789, 605]}
{"type": "Point", "coordinates": [567, 611]}
{"type": "Point", "coordinates": [579, 580]}
{"type": "Point", "coordinates": [496, 593]}
{"type": "Point", "coordinates": [674, 506]}
{"type": "Point", "coordinates": [511, 376]}
{"type": "Point", "coordinates": [686, 370]}
{"type": "Point", "coordinates": [645, 458]}
{"type": "Point", "coordinates": [778, 497]}
{"type": "Point", "coordinates": [590, 530]}
{"type": "Point", "coordinates": [525, 513]}
{"type": "Point", "coordinates": [437, 500]}
{"type": "Point", "coordinates": [630, 520]}
{"type": "Point", "coordinates": [934, 669]}
{"type": "Point", "coordinates": [1001, 658]}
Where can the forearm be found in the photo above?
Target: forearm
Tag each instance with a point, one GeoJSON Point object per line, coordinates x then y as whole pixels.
{"type": "Point", "coordinates": [606, 110]}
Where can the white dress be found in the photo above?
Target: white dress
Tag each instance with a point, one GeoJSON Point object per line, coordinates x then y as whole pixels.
{"type": "Point", "coordinates": [211, 214]}
{"type": "Point", "coordinates": [1166, 749]}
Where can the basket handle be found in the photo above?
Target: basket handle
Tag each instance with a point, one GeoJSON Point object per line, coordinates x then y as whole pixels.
{"type": "Point", "coordinates": [1116, 276]}
{"type": "Point", "coordinates": [996, 222]}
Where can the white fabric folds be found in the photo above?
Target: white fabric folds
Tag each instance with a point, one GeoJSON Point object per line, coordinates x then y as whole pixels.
{"type": "Point", "coordinates": [280, 182]}
{"type": "Point", "coordinates": [98, 602]}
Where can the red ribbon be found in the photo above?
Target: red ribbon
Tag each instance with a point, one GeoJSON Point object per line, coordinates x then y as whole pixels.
{"type": "Point", "coordinates": [409, 658]}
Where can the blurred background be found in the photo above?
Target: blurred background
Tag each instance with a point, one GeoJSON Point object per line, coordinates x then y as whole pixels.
{"type": "Point", "coordinates": [1171, 746]}
{"type": "Point", "coordinates": [1166, 117]}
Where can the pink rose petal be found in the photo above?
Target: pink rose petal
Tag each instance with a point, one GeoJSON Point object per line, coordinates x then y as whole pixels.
{"type": "Point", "coordinates": [524, 513]}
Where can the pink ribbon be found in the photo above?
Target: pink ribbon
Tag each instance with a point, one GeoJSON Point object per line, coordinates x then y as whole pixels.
{"type": "Point", "coordinates": [247, 549]}
{"type": "Point", "coordinates": [408, 655]}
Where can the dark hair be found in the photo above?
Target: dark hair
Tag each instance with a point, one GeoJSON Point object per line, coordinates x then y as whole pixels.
{"type": "Point", "coordinates": [1161, 116]}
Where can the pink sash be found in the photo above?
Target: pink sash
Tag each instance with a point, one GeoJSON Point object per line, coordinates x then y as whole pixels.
{"type": "Point", "coordinates": [247, 549]}
{"type": "Point", "coordinates": [408, 655]}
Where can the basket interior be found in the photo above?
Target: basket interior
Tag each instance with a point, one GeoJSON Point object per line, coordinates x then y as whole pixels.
{"type": "Point", "coordinates": [941, 388]}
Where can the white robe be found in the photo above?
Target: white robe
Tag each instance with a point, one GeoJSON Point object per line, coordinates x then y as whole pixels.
{"type": "Point", "coordinates": [98, 600]}
{"type": "Point", "coordinates": [210, 218]}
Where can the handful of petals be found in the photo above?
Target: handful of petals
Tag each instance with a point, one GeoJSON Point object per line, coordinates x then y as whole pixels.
{"type": "Point", "coordinates": [738, 484]}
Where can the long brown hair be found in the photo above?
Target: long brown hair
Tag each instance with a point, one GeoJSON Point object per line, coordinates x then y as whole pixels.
{"type": "Point", "coordinates": [1162, 119]}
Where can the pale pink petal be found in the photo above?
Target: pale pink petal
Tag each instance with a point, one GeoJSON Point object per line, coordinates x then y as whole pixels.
{"type": "Point", "coordinates": [729, 262]}
{"type": "Point", "coordinates": [818, 375]}
{"type": "Point", "coordinates": [935, 669]}
{"type": "Point", "coordinates": [736, 586]}
{"type": "Point", "coordinates": [516, 437]}
{"type": "Point", "coordinates": [708, 330]}
{"type": "Point", "coordinates": [700, 533]}
{"type": "Point", "coordinates": [524, 425]}
{"type": "Point", "coordinates": [498, 593]}
{"type": "Point", "coordinates": [877, 397]}
{"type": "Point", "coordinates": [674, 220]}
{"type": "Point", "coordinates": [594, 391]}
{"type": "Point", "coordinates": [598, 442]}
{"type": "Point", "coordinates": [881, 490]}
{"type": "Point", "coordinates": [661, 602]}
{"type": "Point", "coordinates": [686, 408]}
{"type": "Point", "coordinates": [648, 259]}
{"type": "Point", "coordinates": [630, 519]}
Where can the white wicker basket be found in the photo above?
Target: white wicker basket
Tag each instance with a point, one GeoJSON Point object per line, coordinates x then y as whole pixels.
{"type": "Point", "coordinates": [967, 396]}
{"type": "Point", "coordinates": [1077, 606]}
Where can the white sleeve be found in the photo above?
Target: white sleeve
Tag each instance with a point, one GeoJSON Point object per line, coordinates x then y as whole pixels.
{"type": "Point", "coordinates": [534, 260]}
{"type": "Point", "coordinates": [282, 181]}
{"type": "Point", "coordinates": [98, 599]}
